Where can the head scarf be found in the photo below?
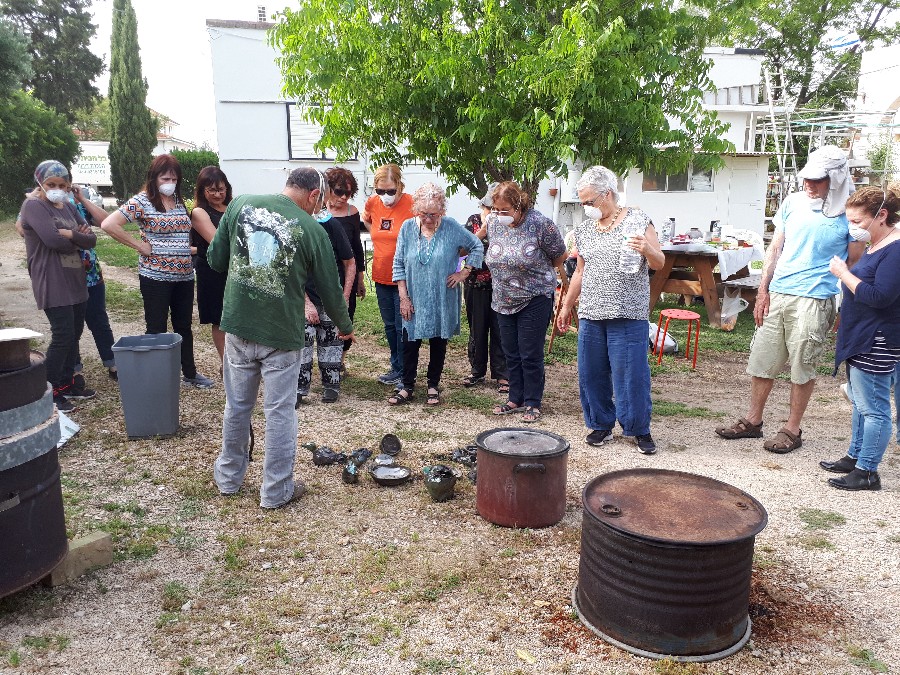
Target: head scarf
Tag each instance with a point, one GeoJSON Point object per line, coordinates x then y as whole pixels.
{"type": "Point", "coordinates": [51, 169]}
{"type": "Point", "coordinates": [830, 162]}
{"type": "Point", "coordinates": [488, 201]}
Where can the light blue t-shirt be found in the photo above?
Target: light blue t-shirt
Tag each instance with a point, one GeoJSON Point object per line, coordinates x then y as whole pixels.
{"type": "Point", "coordinates": [810, 240]}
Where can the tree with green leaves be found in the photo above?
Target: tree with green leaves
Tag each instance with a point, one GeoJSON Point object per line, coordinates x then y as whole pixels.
{"type": "Point", "coordinates": [30, 132]}
{"type": "Point", "coordinates": [15, 61]}
{"type": "Point", "coordinates": [191, 162]}
{"type": "Point", "coordinates": [486, 91]}
{"type": "Point", "coordinates": [58, 33]}
{"type": "Point", "coordinates": [132, 127]}
{"type": "Point", "coordinates": [798, 40]}
{"type": "Point", "coordinates": [93, 123]}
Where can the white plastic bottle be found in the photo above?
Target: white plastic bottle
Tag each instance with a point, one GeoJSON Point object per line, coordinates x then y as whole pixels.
{"type": "Point", "coordinates": [629, 259]}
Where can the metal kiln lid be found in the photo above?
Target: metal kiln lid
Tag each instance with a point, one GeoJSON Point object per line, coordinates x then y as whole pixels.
{"type": "Point", "coordinates": [532, 443]}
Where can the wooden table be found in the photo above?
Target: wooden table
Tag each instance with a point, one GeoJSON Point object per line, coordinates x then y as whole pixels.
{"type": "Point", "coordinates": [700, 282]}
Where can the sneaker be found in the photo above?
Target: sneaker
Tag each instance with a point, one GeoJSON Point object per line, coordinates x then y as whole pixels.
{"type": "Point", "coordinates": [329, 395]}
{"type": "Point", "coordinates": [81, 393]}
{"type": "Point", "coordinates": [645, 444]}
{"type": "Point", "coordinates": [299, 490]}
{"type": "Point", "coordinates": [78, 381]}
{"type": "Point", "coordinates": [113, 374]}
{"type": "Point", "coordinates": [198, 381]}
{"type": "Point", "coordinates": [847, 392]}
{"type": "Point", "coordinates": [391, 377]}
{"type": "Point", "coordinates": [598, 437]}
{"type": "Point", "coordinates": [62, 403]}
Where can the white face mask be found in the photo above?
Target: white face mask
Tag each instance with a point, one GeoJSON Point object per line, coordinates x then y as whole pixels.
{"type": "Point", "coordinates": [504, 220]}
{"type": "Point", "coordinates": [816, 203]}
{"type": "Point", "coordinates": [168, 189]}
{"type": "Point", "coordinates": [593, 212]}
{"type": "Point", "coordinates": [56, 196]}
{"type": "Point", "coordinates": [859, 234]}
{"type": "Point", "coordinates": [388, 200]}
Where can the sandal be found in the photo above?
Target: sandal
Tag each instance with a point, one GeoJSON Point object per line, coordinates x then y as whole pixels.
{"type": "Point", "coordinates": [434, 397]}
{"type": "Point", "coordinates": [784, 441]}
{"type": "Point", "coordinates": [471, 380]}
{"type": "Point", "coordinates": [531, 414]}
{"type": "Point", "coordinates": [741, 429]}
{"type": "Point", "coordinates": [400, 397]}
{"type": "Point", "coordinates": [502, 387]}
{"type": "Point", "coordinates": [507, 408]}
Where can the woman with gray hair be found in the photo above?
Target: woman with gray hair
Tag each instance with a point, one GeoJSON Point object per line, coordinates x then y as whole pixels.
{"type": "Point", "coordinates": [425, 270]}
{"type": "Point", "coordinates": [617, 245]}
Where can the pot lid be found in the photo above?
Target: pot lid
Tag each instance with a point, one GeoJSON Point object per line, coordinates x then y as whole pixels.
{"type": "Point", "coordinates": [673, 507]}
{"type": "Point", "coordinates": [522, 442]}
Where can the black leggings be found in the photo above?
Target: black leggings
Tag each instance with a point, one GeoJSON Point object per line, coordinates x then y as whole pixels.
{"type": "Point", "coordinates": [66, 326]}
{"type": "Point", "coordinates": [161, 297]}
{"type": "Point", "coordinates": [437, 348]}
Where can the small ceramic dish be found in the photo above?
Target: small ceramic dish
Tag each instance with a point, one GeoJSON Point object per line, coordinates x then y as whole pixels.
{"type": "Point", "coordinates": [384, 460]}
{"type": "Point", "coordinates": [390, 445]}
{"type": "Point", "coordinates": [390, 475]}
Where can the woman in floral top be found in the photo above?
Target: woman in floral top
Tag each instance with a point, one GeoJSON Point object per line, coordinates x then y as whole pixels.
{"type": "Point", "coordinates": [484, 327]}
{"type": "Point", "coordinates": [525, 248]}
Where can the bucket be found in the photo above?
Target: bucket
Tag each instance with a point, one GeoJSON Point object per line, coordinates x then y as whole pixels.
{"type": "Point", "coordinates": [665, 563]}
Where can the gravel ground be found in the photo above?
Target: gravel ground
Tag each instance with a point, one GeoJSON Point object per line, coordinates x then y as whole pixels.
{"type": "Point", "coordinates": [360, 578]}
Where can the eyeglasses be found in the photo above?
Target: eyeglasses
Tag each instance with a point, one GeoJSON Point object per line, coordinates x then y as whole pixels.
{"type": "Point", "coordinates": [215, 190]}
{"type": "Point", "coordinates": [429, 216]}
{"type": "Point", "coordinates": [382, 191]}
{"type": "Point", "coordinates": [591, 202]}
{"type": "Point", "coordinates": [504, 212]}
{"type": "Point", "coordinates": [338, 192]}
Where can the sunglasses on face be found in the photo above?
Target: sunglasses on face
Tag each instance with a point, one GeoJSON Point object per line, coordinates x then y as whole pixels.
{"type": "Point", "coordinates": [338, 192]}
{"type": "Point", "coordinates": [382, 191]}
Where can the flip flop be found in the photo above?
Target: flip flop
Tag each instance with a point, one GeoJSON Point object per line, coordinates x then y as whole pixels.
{"type": "Point", "coordinates": [531, 414]}
{"type": "Point", "coordinates": [507, 408]}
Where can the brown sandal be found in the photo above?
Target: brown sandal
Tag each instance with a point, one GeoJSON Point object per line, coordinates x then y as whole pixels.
{"type": "Point", "coordinates": [741, 429]}
{"type": "Point", "coordinates": [784, 441]}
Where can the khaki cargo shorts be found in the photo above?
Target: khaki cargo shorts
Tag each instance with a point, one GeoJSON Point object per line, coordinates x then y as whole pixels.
{"type": "Point", "coordinates": [795, 332]}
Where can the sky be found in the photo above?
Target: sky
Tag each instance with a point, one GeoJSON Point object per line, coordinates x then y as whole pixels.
{"type": "Point", "coordinates": [175, 56]}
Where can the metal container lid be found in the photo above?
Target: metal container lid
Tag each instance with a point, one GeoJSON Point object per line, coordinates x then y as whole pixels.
{"type": "Point", "coordinates": [514, 442]}
{"type": "Point", "coordinates": [673, 507]}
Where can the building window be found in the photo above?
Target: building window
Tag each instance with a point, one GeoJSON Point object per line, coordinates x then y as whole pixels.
{"type": "Point", "coordinates": [689, 180]}
{"type": "Point", "coordinates": [261, 13]}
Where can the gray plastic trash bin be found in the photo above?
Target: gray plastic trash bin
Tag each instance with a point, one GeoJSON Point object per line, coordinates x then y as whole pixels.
{"type": "Point", "coordinates": [149, 383]}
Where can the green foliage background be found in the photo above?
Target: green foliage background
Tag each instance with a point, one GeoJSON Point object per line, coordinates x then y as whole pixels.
{"type": "Point", "coordinates": [191, 162]}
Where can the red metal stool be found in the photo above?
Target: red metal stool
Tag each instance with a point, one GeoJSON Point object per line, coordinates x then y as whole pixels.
{"type": "Point", "coordinates": [678, 315]}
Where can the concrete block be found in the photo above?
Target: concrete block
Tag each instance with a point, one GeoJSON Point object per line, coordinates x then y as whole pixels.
{"type": "Point", "coordinates": [86, 553]}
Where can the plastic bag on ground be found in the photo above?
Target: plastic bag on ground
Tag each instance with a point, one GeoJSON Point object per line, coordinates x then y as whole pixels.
{"type": "Point", "coordinates": [732, 305]}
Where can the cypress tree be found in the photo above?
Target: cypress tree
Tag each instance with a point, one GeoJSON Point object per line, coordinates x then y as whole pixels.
{"type": "Point", "coordinates": [132, 127]}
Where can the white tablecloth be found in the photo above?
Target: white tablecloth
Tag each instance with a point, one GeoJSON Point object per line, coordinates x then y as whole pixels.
{"type": "Point", "coordinates": [736, 259]}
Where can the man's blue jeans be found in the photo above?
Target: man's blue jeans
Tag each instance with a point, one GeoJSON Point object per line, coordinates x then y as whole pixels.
{"type": "Point", "coordinates": [613, 375]}
{"type": "Point", "coordinates": [389, 305]}
{"type": "Point", "coordinates": [871, 423]}
{"type": "Point", "coordinates": [523, 335]}
{"type": "Point", "coordinates": [246, 363]}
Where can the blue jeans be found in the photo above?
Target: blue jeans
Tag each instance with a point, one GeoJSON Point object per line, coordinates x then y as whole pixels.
{"type": "Point", "coordinates": [66, 326]}
{"type": "Point", "coordinates": [897, 397]}
{"type": "Point", "coordinates": [523, 335]}
{"type": "Point", "coordinates": [614, 376]}
{"type": "Point", "coordinates": [871, 422]}
{"type": "Point", "coordinates": [245, 364]}
{"type": "Point", "coordinates": [97, 321]}
{"type": "Point", "coordinates": [389, 305]}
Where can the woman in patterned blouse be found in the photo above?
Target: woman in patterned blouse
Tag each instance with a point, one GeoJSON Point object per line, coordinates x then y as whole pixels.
{"type": "Point", "coordinates": [165, 268]}
{"type": "Point", "coordinates": [525, 248]}
{"type": "Point", "coordinates": [613, 296]}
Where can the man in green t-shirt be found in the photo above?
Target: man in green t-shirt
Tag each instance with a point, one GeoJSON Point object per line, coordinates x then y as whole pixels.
{"type": "Point", "coordinates": [270, 245]}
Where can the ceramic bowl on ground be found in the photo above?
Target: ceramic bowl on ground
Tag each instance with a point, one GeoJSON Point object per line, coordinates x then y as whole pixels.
{"type": "Point", "coordinates": [390, 475]}
{"type": "Point", "coordinates": [390, 445]}
{"type": "Point", "coordinates": [384, 460]}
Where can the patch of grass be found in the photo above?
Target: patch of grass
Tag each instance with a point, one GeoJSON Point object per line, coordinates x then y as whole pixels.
{"type": "Point", "coordinates": [196, 487]}
{"type": "Point", "coordinates": [44, 643]}
{"type": "Point", "coordinates": [435, 666]}
{"type": "Point", "coordinates": [13, 658]}
{"type": "Point", "coordinates": [416, 434]}
{"type": "Point", "coordinates": [174, 595]}
{"type": "Point", "coordinates": [433, 591]}
{"type": "Point", "coordinates": [133, 538]}
{"type": "Point", "coordinates": [234, 547]}
{"type": "Point", "coordinates": [466, 398]}
{"type": "Point", "coordinates": [115, 254]}
{"type": "Point", "coordinates": [183, 540]}
{"type": "Point", "coordinates": [663, 408]}
{"type": "Point", "coordinates": [894, 538]}
{"type": "Point", "coordinates": [167, 619]}
{"type": "Point", "coordinates": [129, 507]}
{"type": "Point", "coordinates": [817, 519]}
{"type": "Point", "coordinates": [814, 542]}
{"type": "Point", "coordinates": [126, 303]}
{"type": "Point", "coordinates": [509, 553]}
{"type": "Point", "coordinates": [367, 388]}
{"type": "Point", "coordinates": [866, 659]}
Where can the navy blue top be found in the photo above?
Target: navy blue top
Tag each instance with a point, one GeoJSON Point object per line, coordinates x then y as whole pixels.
{"type": "Point", "coordinates": [875, 305]}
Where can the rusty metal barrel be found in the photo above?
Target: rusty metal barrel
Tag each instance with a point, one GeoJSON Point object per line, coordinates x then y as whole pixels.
{"type": "Point", "coordinates": [665, 563]}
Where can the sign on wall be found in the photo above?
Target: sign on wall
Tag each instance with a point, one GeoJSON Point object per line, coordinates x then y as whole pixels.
{"type": "Point", "coordinates": [92, 166]}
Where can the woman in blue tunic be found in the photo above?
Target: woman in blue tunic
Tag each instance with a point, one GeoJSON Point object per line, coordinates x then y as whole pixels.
{"type": "Point", "coordinates": [425, 269]}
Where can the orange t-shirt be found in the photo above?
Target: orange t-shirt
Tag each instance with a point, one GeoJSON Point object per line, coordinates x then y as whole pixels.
{"type": "Point", "coordinates": [386, 222]}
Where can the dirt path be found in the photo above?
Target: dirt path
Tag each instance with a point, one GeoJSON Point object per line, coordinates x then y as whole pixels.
{"type": "Point", "coordinates": [362, 579]}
